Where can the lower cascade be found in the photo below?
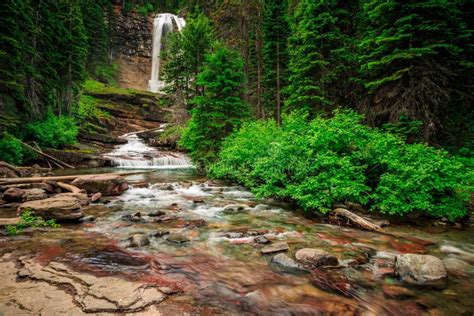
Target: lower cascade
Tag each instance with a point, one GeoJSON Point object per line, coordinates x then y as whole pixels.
{"type": "Point", "coordinates": [135, 154]}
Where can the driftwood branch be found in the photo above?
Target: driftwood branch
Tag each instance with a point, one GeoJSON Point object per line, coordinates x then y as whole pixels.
{"type": "Point", "coordinates": [354, 219]}
{"type": "Point", "coordinates": [48, 156]}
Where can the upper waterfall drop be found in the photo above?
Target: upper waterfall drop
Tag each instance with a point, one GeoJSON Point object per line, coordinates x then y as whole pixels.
{"type": "Point", "coordinates": [162, 24]}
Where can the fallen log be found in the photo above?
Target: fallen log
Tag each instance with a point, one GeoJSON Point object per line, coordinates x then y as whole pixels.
{"type": "Point", "coordinates": [69, 187]}
{"type": "Point", "coordinates": [7, 165]}
{"type": "Point", "coordinates": [48, 156]}
{"type": "Point", "coordinates": [6, 181]}
{"type": "Point", "coordinates": [339, 214]}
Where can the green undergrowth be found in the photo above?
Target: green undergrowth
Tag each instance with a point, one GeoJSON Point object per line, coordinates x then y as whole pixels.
{"type": "Point", "coordinates": [28, 219]}
{"type": "Point", "coordinates": [335, 160]}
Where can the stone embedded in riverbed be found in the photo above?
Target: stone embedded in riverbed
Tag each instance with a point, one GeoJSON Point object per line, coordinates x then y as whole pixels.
{"type": "Point", "coordinates": [139, 240]}
{"type": "Point", "coordinates": [276, 247]}
{"type": "Point", "coordinates": [108, 185]}
{"type": "Point", "coordinates": [177, 238]}
{"type": "Point", "coordinates": [286, 264]}
{"type": "Point", "coordinates": [316, 257]}
{"type": "Point", "coordinates": [235, 208]}
{"type": "Point", "coordinates": [261, 240]}
{"type": "Point", "coordinates": [96, 197]}
{"type": "Point", "coordinates": [60, 207]}
{"type": "Point", "coordinates": [421, 270]}
{"type": "Point", "coordinates": [156, 213]}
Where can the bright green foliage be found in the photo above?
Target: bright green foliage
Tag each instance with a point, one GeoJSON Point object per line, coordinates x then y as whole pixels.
{"type": "Point", "coordinates": [87, 111]}
{"type": "Point", "coordinates": [329, 161]}
{"type": "Point", "coordinates": [184, 55]}
{"type": "Point", "coordinates": [411, 54]}
{"type": "Point", "coordinates": [275, 38]}
{"type": "Point", "coordinates": [220, 109]}
{"type": "Point", "coordinates": [319, 55]}
{"type": "Point", "coordinates": [11, 149]}
{"type": "Point", "coordinates": [54, 132]}
{"type": "Point", "coordinates": [28, 219]}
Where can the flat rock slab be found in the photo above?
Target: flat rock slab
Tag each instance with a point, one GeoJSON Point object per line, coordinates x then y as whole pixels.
{"type": "Point", "coordinates": [93, 294]}
{"type": "Point", "coordinates": [58, 207]}
{"type": "Point", "coordinates": [316, 257]}
{"type": "Point", "coordinates": [276, 247]}
{"type": "Point", "coordinates": [106, 184]}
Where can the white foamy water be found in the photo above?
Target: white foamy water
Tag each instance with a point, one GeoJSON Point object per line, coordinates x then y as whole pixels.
{"type": "Point", "coordinates": [135, 154]}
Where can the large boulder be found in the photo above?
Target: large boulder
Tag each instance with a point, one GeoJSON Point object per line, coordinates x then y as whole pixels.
{"type": "Point", "coordinates": [60, 207]}
{"type": "Point", "coordinates": [316, 257]}
{"type": "Point", "coordinates": [13, 195]}
{"type": "Point", "coordinates": [421, 270]}
{"type": "Point", "coordinates": [105, 184]}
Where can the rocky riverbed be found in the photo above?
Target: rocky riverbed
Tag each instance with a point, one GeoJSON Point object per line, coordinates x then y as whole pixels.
{"type": "Point", "coordinates": [174, 242]}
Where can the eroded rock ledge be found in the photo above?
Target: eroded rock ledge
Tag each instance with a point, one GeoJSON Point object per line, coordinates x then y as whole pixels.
{"type": "Point", "coordinates": [93, 294]}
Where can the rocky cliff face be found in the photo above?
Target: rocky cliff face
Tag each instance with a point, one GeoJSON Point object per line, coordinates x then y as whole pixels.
{"type": "Point", "coordinates": [132, 49]}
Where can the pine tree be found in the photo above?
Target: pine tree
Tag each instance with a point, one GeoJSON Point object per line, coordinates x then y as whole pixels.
{"type": "Point", "coordinates": [319, 55]}
{"type": "Point", "coordinates": [184, 55]}
{"type": "Point", "coordinates": [220, 109]}
{"type": "Point", "coordinates": [410, 54]}
{"type": "Point", "coordinates": [275, 33]}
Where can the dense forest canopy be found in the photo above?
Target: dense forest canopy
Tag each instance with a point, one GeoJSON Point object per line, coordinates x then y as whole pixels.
{"type": "Point", "coordinates": [404, 68]}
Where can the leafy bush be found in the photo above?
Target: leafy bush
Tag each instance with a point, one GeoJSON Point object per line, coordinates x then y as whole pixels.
{"type": "Point", "coordinates": [28, 219]}
{"type": "Point", "coordinates": [328, 161]}
{"type": "Point", "coordinates": [11, 149]}
{"type": "Point", "coordinates": [55, 131]}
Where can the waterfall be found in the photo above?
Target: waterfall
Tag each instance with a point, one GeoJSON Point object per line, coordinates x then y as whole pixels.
{"type": "Point", "coordinates": [135, 154]}
{"type": "Point", "coordinates": [162, 24]}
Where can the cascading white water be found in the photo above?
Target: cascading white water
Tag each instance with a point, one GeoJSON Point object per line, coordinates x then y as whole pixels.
{"type": "Point", "coordinates": [162, 24]}
{"type": "Point", "coordinates": [135, 154]}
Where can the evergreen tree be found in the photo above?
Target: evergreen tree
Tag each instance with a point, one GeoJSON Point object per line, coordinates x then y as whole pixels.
{"type": "Point", "coordinates": [275, 34]}
{"type": "Point", "coordinates": [184, 55]}
{"type": "Point", "coordinates": [220, 109]}
{"type": "Point", "coordinates": [410, 55]}
{"type": "Point", "coordinates": [319, 55]}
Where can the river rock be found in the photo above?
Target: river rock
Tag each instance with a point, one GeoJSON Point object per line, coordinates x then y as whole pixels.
{"type": "Point", "coordinates": [14, 195]}
{"type": "Point", "coordinates": [58, 207]}
{"type": "Point", "coordinates": [285, 263]}
{"type": "Point", "coordinates": [96, 197]}
{"type": "Point", "coordinates": [160, 233]}
{"type": "Point", "coordinates": [316, 257]}
{"type": "Point", "coordinates": [156, 213]}
{"type": "Point", "coordinates": [105, 184]}
{"type": "Point", "coordinates": [235, 208]}
{"type": "Point", "coordinates": [261, 240]}
{"type": "Point", "coordinates": [261, 207]}
{"type": "Point", "coordinates": [398, 292]}
{"type": "Point", "coordinates": [139, 240]}
{"type": "Point", "coordinates": [87, 219]}
{"type": "Point", "coordinates": [177, 238]}
{"type": "Point", "coordinates": [276, 247]}
{"type": "Point", "coordinates": [417, 269]}
{"type": "Point", "coordinates": [35, 194]}
{"type": "Point", "coordinates": [82, 197]}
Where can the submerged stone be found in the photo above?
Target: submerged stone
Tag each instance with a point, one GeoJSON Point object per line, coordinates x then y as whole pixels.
{"type": "Point", "coordinates": [316, 257]}
{"type": "Point", "coordinates": [286, 264]}
{"type": "Point", "coordinates": [235, 208]}
{"type": "Point", "coordinates": [422, 270]}
{"type": "Point", "coordinates": [177, 238]}
{"type": "Point", "coordinates": [139, 240]}
{"type": "Point", "coordinates": [276, 247]}
{"type": "Point", "coordinates": [261, 240]}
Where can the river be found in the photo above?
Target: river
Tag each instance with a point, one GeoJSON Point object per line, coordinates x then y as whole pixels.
{"type": "Point", "coordinates": [206, 250]}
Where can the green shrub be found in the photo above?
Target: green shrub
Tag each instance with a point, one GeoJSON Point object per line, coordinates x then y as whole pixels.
{"type": "Point", "coordinates": [54, 132]}
{"type": "Point", "coordinates": [28, 219]}
{"type": "Point", "coordinates": [11, 149]}
{"type": "Point", "coordinates": [328, 161]}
